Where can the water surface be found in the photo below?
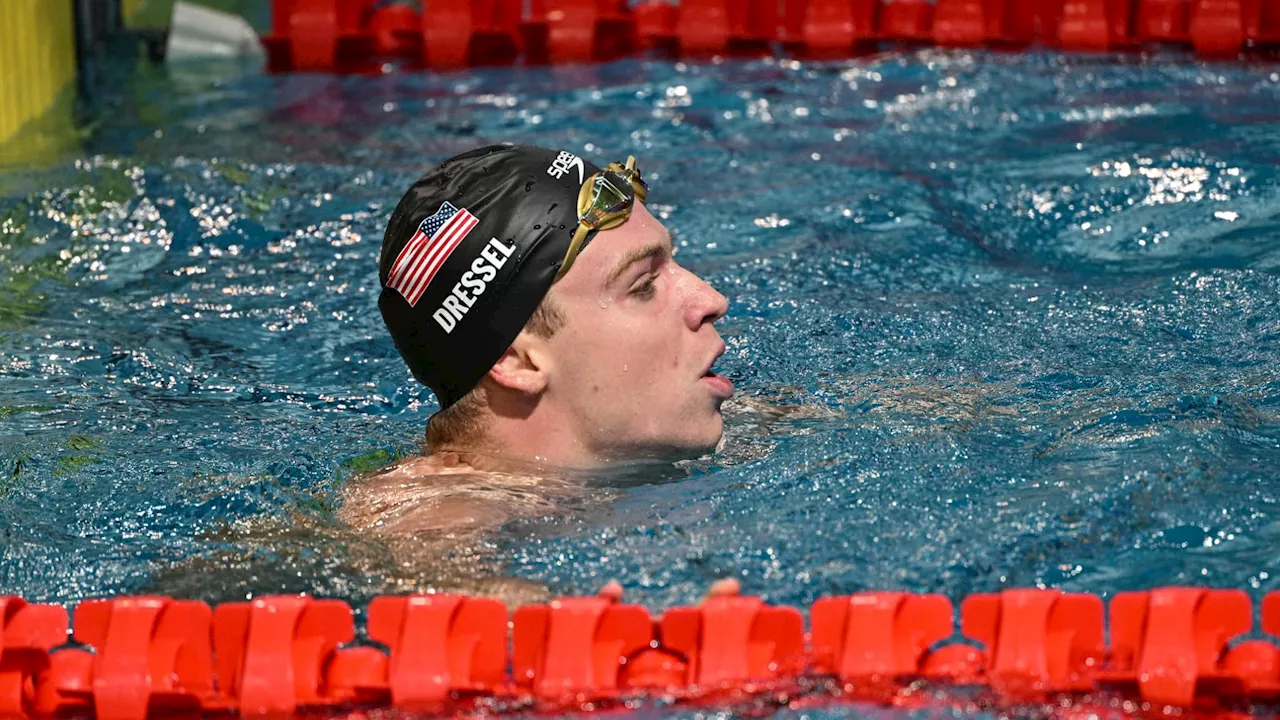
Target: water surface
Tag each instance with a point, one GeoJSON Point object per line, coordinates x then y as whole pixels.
{"type": "Point", "coordinates": [997, 321]}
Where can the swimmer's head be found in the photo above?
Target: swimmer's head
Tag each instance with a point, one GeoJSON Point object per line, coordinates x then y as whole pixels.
{"type": "Point", "coordinates": [535, 294]}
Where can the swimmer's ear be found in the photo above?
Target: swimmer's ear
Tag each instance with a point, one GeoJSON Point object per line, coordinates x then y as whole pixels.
{"type": "Point", "coordinates": [523, 366]}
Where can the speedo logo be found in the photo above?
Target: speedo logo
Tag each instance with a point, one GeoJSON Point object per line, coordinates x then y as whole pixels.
{"type": "Point", "coordinates": [472, 284]}
{"type": "Point", "coordinates": [565, 162]}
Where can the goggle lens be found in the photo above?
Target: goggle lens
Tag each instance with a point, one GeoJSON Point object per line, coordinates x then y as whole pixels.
{"type": "Point", "coordinates": [605, 202]}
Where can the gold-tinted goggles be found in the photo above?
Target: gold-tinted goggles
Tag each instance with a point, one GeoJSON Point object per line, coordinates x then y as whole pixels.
{"type": "Point", "coordinates": [605, 202]}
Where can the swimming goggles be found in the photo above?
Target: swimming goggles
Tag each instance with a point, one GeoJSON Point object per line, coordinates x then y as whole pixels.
{"type": "Point", "coordinates": [605, 202]}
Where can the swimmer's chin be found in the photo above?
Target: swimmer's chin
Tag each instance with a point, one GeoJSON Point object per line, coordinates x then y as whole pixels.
{"type": "Point", "coordinates": [618, 461]}
{"type": "Point", "coordinates": [663, 455]}
{"type": "Point", "coordinates": [635, 458]}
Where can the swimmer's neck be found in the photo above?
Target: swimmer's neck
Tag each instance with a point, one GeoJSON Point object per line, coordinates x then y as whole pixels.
{"type": "Point", "coordinates": [543, 442]}
{"type": "Point", "coordinates": [455, 458]}
{"type": "Point", "coordinates": [488, 458]}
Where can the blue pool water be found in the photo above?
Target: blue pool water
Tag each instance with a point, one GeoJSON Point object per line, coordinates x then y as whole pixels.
{"type": "Point", "coordinates": [997, 321]}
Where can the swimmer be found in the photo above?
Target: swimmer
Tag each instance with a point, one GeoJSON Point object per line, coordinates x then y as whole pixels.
{"type": "Point", "coordinates": [539, 299]}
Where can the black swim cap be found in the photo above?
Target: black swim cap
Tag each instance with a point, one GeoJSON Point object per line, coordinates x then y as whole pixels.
{"type": "Point", "coordinates": [468, 255]}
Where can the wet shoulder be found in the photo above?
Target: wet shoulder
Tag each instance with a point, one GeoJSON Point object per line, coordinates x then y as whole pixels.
{"type": "Point", "coordinates": [443, 494]}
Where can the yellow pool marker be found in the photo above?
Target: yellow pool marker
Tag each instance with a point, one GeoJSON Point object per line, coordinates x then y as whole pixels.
{"type": "Point", "coordinates": [37, 60]}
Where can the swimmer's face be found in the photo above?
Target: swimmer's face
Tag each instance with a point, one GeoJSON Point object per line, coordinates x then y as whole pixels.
{"type": "Point", "coordinates": [632, 360]}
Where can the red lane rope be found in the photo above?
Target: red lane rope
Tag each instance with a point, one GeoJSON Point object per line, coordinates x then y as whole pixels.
{"type": "Point", "coordinates": [364, 35]}
{"type": "Point", "coordinates": [152, 657]}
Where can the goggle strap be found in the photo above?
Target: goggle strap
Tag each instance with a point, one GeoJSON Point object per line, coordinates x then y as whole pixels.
{"type": "Point", "coordinates": [575, 247]}
{"type": "Point", "coordinates": [633, 174]}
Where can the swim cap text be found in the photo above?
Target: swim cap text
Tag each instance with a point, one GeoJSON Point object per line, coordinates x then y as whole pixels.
{"type": "Point", "coordinates": [472, 284]}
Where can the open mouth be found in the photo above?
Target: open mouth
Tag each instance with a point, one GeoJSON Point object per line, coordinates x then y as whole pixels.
{"type": "Point", "coordinates": [710, 371]}
{"type": "Point", "coordinates": [720, 385]}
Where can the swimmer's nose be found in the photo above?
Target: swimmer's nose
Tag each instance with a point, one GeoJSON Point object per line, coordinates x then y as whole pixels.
{"type": "Point", "coordinates": [706, 305]}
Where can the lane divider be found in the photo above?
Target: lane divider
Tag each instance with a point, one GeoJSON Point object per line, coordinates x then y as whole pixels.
{"type": "Point", "coordinates": [366, 35]}
{"type": "Point", "coordinates": [132, 658]}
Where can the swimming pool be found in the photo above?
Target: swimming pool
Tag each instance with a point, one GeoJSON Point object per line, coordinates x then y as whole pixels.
{"type": "Point", "coordinates": [997, 321]}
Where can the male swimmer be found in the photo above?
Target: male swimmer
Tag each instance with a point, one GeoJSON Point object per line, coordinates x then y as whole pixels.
{"type": "Point", "coordinates": [536, 295]}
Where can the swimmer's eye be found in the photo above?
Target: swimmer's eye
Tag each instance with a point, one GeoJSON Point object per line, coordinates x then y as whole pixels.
{"type": "Point", "coordinates": [645, 289]}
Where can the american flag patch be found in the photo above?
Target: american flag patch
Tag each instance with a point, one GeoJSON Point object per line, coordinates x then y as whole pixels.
{"type": "Point", "coordinates": [427, 250]}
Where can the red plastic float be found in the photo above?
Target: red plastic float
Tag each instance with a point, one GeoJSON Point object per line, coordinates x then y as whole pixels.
{"type": "Point", "coordinates": [27, 634]}
{"type": "Point", "coordinates": [879, 638]}
{"type": "Point", "coordinates": [1170, 643]}
{"type": "Point", "coordinates": [577, 648]}
{"type": "Point", "coordinates": [439, 645]}
{"type": "Point", "coordinates": [395, 30]}
{"type": "Point", "coordinates": [702, 26]}
{"type": "Point", "coordinates": [151, 655]}
{"type": "Point", "coordinates": [961, 23]}
{"type": "Point", "coordinates": [1164, 21]}
{"type": "Point", "coordinates": [655, 23]}
{"type": "Point", "coordinates": [907, 21]}
{"type": "Point", "coordinates": [735, 640]}
{"type": "Point", "coordinates": [1038, 641]}
{"type": "Point", "coordinates": [273, 654]}
{"type": "Point", "coordinates": [829, 28]}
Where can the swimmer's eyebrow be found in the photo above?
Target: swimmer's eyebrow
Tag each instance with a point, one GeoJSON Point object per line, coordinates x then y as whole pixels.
{"type": "Point", "coordinates": [648, 252]}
